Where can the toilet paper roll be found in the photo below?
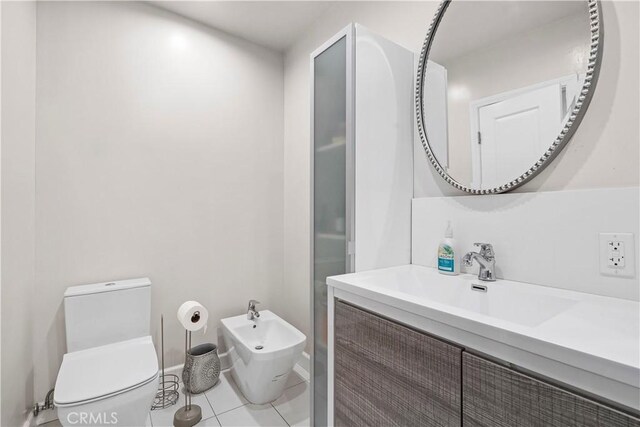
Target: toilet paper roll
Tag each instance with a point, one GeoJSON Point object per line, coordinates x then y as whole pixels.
{"type": "Point", "coordinates": [193, 316]}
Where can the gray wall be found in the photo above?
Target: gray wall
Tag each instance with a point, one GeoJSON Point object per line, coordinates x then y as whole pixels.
{"type": "Point", "coordinates": [18, 209]}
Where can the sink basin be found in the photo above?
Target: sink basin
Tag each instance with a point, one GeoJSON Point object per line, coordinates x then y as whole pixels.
{"type": "Point", "coordinates": [514, 306]}
{"type": "Point", "coordinates": [504, 300]}
{"type": "Point", "coordinates": [511, 303]}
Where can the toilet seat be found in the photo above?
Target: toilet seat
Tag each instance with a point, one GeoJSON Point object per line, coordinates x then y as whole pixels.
{"type": "Point", "coordinates": [101, 372]}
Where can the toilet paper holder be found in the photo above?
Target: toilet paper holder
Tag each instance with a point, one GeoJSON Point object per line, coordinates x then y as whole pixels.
{"type": "Point", "coordinates": [190, 415]}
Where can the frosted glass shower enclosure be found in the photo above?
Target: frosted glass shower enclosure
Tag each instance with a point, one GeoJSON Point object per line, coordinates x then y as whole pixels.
{"type": "Point", "coordinates": [362, 172]}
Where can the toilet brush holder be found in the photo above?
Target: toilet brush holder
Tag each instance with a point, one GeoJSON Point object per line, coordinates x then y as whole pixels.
{"type": "Point", "coordinates": [201, 369]}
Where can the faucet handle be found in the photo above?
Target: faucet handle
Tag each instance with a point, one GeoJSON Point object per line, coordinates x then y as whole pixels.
{"type": "Point", "coordinates": [252, 303]}
{"type": "Point", "coordinates": [486, 249]}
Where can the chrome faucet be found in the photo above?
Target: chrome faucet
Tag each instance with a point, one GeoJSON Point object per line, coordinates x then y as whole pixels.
{"type": "Point", "coordinates": [252, 313]}
{"type": "Point", "coordinates": [486, 259]}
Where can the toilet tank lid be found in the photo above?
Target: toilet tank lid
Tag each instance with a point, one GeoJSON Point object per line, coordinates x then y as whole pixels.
{"type": "Point", "coordinates": [96, 288]}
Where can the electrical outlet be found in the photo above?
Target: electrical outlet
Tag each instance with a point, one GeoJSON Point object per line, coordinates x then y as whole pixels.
{"type": "Point", "coordinates": [617, 256]}
{"type": "Point", "coordinates": [616, 262]}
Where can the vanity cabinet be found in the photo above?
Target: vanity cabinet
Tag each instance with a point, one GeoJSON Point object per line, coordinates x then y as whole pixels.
{"type": "Point", "coordinates": [496, 396]}
{"type": "Point", "coordinates": [388, 374]}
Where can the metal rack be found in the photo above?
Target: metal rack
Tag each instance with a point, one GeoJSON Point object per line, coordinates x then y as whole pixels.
{"type": "Point", "coordinates": [168, 393]}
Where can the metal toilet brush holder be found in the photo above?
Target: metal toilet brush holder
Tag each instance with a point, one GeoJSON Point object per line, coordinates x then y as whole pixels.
{"type": "Point", "coordinates": [168, 393]}
{"type": "Point", "coordinates": [202, 368]}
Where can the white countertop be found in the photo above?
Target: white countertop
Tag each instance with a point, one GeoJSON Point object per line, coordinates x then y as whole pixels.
{"type": "Point", "coordinates": [595, 333]}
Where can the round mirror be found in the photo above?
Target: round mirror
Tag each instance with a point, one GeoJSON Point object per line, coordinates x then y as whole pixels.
{"type": "Point", "coordinates": [502, 86]}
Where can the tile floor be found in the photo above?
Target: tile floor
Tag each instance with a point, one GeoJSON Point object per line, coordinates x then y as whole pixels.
{"type": "Point", "coordinates": [224, 405]}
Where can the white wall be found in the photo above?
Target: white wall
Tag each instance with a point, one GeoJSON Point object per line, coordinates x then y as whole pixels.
{"type": "Point", "coordinates": [159, 153]}
{"type": "Point", "coordinates": [603, 152]}
{"type": "Point", "coordinates": [549, 238]}
{"type": "Point", "coordinates": [18, 212]}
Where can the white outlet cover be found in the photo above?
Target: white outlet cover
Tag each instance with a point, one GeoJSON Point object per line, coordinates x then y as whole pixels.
{"type": "Point", "coordinates": [628, 269]}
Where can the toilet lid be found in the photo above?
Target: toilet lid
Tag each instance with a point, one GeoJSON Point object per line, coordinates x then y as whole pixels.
{"type": "Point", "coordinates": [106, 370]}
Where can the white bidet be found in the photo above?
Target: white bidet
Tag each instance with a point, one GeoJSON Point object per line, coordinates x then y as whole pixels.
{"type": "Point", "coordinates": [263, 352]}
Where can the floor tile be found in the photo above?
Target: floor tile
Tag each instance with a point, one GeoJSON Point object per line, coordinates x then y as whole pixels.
{"type": "Point", "coordinates": [225, 395]}
{"type": "Point", "coordinates": [56, 423]}
{"type": "Point", "coordinates": [293, 405]}
{"type": "Point", "coordinates": [164, 417]}
{"type": "Point", "coordinates": [252, 415]}
{"type": "Point", "coordinates": [294, 379]}
{"type": "Point", "coordinates": [209, 422]}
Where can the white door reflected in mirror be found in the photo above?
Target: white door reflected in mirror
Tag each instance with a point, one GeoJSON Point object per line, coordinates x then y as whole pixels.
{"type": "Point", "coordinates": [512, 132]}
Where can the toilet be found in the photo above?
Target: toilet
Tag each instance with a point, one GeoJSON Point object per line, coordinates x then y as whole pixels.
{"type": "Point", "coordinates": [109, 377]}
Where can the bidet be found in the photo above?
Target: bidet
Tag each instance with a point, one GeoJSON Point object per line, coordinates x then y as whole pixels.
{"type": "Point", "coordinates": [263, 352]}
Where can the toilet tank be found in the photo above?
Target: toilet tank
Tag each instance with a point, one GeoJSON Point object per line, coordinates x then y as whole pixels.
{"type": "Point", "coordinates": [104, 313]}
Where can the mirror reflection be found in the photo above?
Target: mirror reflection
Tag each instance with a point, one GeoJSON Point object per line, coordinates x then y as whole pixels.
{"type": "Point", "coordinates": [501, 80]}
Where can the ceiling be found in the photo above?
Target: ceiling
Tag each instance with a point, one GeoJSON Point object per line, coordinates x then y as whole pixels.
{"type": "Point", "coordinates": [274, 24]}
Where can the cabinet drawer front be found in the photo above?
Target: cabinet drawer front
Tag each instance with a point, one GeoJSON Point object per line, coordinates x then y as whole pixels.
{"type": "Point", "coordinates": [387, 374]}
{"type": "Point", "coordinates": [496, 396]}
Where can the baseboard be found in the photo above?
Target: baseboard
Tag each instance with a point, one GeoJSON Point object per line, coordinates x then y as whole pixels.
{"type": "Point", "coordinates": [30, 421]}
{"type": "Point", "coordinates": [302, 367]}
{"type": "Point", "coordinates": [174, 370]}
{"type": "Point", "coordinates": [177, 369]}
{"type": "Point", "coordinates": [44, 417]}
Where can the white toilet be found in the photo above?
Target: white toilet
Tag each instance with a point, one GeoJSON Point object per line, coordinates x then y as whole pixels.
{"type": "Point", "coordinates": [109, 377]}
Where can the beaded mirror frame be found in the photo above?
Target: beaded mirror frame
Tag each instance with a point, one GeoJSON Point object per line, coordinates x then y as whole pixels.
{"type": "Point", "coordinates": [575, 117]}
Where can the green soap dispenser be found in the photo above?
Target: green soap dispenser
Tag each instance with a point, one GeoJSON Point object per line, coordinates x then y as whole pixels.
{"type": "Point", "coordinates": [448, 260]}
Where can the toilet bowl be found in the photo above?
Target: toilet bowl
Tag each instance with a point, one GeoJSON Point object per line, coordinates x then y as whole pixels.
{"type": "Point", "coordinates": [109, 376]}
{"type": "Point", "coordinates": [110, 385]}
{"type": "Point", "coordinates": [263, 352]}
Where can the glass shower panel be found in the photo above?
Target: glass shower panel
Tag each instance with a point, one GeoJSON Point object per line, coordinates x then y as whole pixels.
{"type": "Point", "coordinates": [329, 201]}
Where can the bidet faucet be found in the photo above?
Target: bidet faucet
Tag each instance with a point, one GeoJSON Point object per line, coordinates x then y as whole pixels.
{"type": "Point", "coordinates": [252, 313]}
{"type": "Point", "coordinates": [486, 259]}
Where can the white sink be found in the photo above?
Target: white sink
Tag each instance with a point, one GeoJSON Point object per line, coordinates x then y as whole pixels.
{"type": "Point", "coordinates": [522, 305]}
{"type": "Point", "coordinates": [536, 318]}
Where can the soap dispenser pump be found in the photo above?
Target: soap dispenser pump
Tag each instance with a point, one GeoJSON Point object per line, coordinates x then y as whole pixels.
{"type": "Point", "coordinates": [448, 262]}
